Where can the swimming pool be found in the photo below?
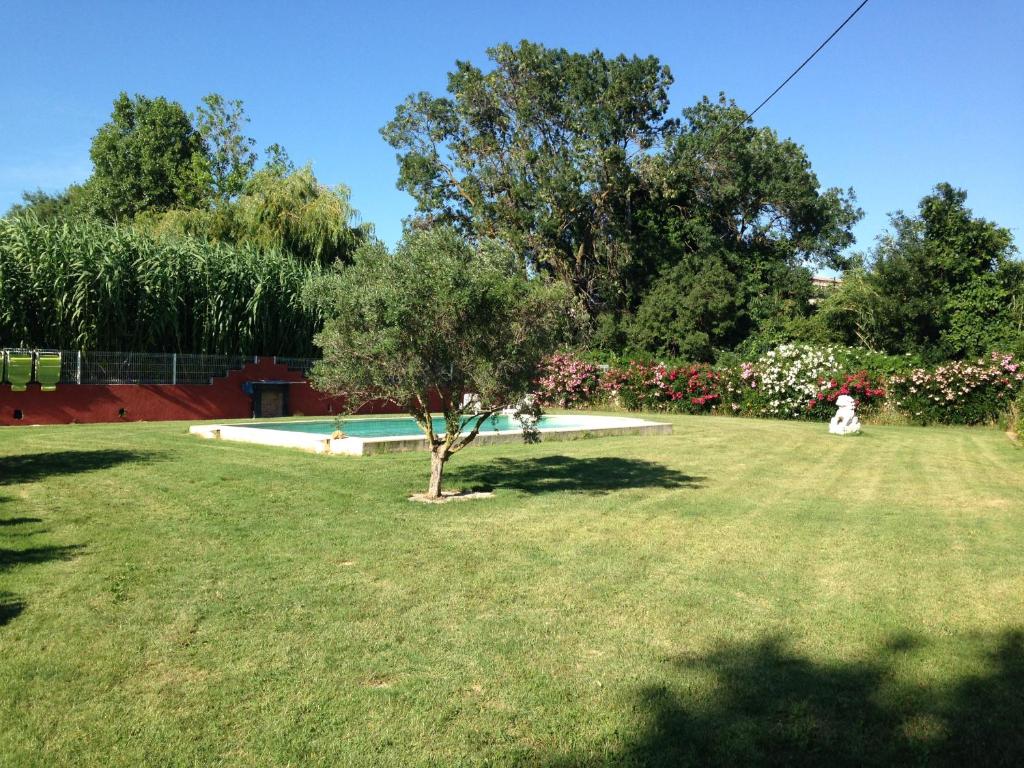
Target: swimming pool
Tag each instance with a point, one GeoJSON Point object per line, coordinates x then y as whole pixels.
{"type": "Point", "coordinates": [365, 435]}
{"type": "Point", "coordinates": [393, 426]}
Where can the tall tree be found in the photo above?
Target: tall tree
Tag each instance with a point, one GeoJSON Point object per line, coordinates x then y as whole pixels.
{"type": "Point", "coordinates": [438, 319]}
{"type": "Point", "coordinates": [537, 151]}
{"type": "Point", "coordinates": [737, 202]}
{"type": "Point", "coordinates": [46, 206]}
{"type": "Point", "coordinates": [149, 156]}
{"type": "Point", "coordinates": [230, 158]}
{"type": "Point", "coordinates": [942, 284]}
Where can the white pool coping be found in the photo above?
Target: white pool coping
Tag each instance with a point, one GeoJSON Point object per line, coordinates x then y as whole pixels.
{"type": "Point", "coordinates": [596, 426]}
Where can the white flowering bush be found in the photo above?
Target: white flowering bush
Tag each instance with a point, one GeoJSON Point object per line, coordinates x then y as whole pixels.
{"type": "Point", "coordinates": [787, 378]}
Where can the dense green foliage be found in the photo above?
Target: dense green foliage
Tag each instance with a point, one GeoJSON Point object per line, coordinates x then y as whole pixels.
{"type": "Point", "coordinates": [175, 174]}
{"type": "Point", "coordinates": [437, 319]}
{"type": "Point", "coordinates": [230, 159]}
{"type": "Point", "coordinates": [149, 157]}
{"type": "Point", "coordinates": [741, 592]}
{"type": "Point", "coordinates": [684, 236]}
{"type": "Point", "coordinates": [278, 210]}
{"type": "Point", "coordinates": [733, 221]}
{"type": "Point", "coordinates": [689, 237]}
{"type": "Point", "coordinates": [80, 283]}
{"type": "Point", "coordinates": [176, 242]}
{"type": "Point", "coordinates": [942, 285]}
{"type": "Point", "coordinates": [539, 152]}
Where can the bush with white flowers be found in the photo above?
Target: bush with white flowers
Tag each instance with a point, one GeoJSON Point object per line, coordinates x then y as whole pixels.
{"type": "Point", "coordinates": [788, 377]}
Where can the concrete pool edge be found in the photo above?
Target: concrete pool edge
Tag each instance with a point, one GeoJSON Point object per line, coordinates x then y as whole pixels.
{"type": "Point", "coordinates": [597, 426]}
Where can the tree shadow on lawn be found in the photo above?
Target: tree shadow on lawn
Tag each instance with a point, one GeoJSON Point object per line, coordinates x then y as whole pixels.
{"type": "Point", "coordinates": [600, 474]}
{"type": "Point", "coordinates": [10, 607]}
{"type": "Point", "coordinates": [773, 707]}
{"type": "Point", "coordinates": [31, 467]}
{"type": "Point", "coordinates": [11, 558]}
{"type": "Point", "coordinates": [5, 521]}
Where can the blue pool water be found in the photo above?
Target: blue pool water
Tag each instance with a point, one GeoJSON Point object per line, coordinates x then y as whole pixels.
{"type": "Point", "coordinates": [394, 426]}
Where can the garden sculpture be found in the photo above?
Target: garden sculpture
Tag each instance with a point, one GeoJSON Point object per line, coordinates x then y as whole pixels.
{"type": "Point", "coordinates": [845, 422]}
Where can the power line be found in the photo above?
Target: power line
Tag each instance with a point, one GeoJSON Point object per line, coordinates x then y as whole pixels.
{"type": "Point", "coordinates": [750, 115]}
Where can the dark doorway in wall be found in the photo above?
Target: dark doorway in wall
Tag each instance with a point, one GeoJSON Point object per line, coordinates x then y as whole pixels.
{"type": "Point", "coordinates": [269, 399]}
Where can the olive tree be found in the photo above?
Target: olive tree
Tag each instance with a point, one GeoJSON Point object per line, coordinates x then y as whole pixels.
{"type": "Point", "coordinates": [435, 320]}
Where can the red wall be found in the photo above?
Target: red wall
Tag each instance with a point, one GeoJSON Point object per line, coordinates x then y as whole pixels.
{"type": "Point", "coordinates": [224, 399]}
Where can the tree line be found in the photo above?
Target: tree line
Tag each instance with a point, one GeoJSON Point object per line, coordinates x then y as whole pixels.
{"type": "Point", "coordinates": [690, 235]}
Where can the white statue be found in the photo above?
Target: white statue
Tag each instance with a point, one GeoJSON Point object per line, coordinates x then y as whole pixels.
{"type": "Point", "coordinates": [845, 422]}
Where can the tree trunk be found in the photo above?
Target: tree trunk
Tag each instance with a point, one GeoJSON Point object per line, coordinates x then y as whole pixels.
{"type": "Point", "coordinates": [437, 460]}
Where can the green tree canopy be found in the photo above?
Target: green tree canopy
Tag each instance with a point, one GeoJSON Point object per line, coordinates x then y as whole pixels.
{"type": "Point", "coordinates": [229, 156]}
{"type": "Point", "coordinates": [278, 210]}
{"type": "Point", "coordinates": [731, 218]}
{"type": "Point", "coordinates": [941, 284]}
{"type": "Point", "coordinates": [438, 318]}
{"type": "Point", "coordinates": [149, 156]}
{"type": "Point", "coordinates": [538, 152]}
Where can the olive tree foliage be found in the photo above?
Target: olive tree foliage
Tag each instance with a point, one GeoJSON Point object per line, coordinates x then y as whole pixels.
{"type": "Point", "coordinates": [539, 152]}
{"type": "Point", "coordinates": [438, 318]}
{"type": "Point", "coordinates": [942, 284]}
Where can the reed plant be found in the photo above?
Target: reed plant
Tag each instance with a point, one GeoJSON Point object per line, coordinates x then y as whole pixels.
{"type": "Point", "coordinates": [79, 283]}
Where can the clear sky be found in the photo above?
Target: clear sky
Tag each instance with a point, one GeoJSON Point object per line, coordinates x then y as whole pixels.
{"type": "Point", "coordinates": [911, 92]}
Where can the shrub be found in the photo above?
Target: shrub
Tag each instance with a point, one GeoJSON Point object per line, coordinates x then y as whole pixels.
{"type": "Point", "coordinates": [637, 386]}
{"type": "Point", "coordinates": [568, 382]}
{"type": "Point", "coordinates": [787, 378]}
{"type": "Point", "coordinates": [866, 394]}
{"type": "Point", "coordinates": [960, 392]}
{"type": "Point", "coordinates": [694, 389]}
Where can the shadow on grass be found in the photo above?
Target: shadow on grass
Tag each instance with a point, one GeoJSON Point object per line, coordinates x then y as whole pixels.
{"type": "Point", "coordinates": [10, 558]}
{"type": "Point", "coordinates": [563, 473]}
{"type": "Point", "coordinates": [10, 607]}
{"type": "Point", "coordinates": [33, 467]}
{"type": "Point", "coordinates": [4, 521]}
{"type": "Point", "coordinates": [30, 467]}
{"type": "Point", "coordinates": [774, 707]}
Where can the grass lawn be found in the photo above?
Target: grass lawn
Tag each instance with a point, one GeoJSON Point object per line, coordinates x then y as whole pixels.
{"type": "Point", "coordinates": [745, 592]}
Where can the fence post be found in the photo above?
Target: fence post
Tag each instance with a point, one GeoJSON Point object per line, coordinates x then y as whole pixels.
{"type": "Point", "coordinates": [174, 368]}
{"type": "Point", "coordinates": [78, 368]}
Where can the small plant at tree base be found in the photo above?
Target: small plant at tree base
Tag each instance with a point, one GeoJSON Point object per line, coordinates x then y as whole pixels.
{"type": "Point", "coordinates": [529, 413]}
{"type": "Point", "coordinates": [431, 322]}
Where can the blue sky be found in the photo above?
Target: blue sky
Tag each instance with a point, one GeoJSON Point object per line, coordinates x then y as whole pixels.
{"type": "Point", "coordinates": [909, 94]}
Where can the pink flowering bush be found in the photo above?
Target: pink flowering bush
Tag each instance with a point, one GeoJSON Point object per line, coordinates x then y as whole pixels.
{"type": "Point", "coordinates": [791, 382]}
{"type": "Point", "coordinates": [654, 387]}
{"type": "Point", "coordinates": [865, 393]}
{"type": "Point", "coordinates": [638, 386]}
{"type": "Point", "coordinates": [960, 392]}
{"type": "Point", "coordinates": [568, 382]}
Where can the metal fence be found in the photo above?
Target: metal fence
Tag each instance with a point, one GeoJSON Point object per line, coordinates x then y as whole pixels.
{"type": "Point", "coordinates": [87, 367]}
{"type": "Point", "coordinates": [303, 364]}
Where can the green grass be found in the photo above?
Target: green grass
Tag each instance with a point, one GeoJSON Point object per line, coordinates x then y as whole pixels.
{"type": "Point", "coordinates": [745, 592]}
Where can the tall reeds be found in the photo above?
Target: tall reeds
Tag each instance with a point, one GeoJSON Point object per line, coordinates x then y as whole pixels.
{"type": "Point", "coordinates": [83, 284]}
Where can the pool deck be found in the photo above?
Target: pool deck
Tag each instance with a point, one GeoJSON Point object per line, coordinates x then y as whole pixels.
{"type": "Point", "coordinates": [595, 426]}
